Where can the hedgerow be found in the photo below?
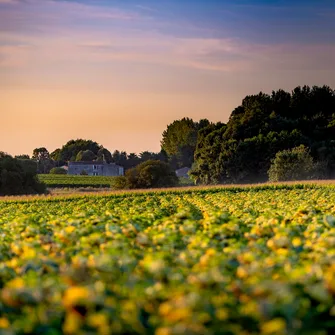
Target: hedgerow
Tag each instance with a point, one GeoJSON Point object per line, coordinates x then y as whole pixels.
{"type": "Point", "coordinates": [60, 181]}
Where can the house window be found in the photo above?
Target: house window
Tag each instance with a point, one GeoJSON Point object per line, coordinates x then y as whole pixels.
{"type": "Point", "coordinates": [95, 173]}
{"type": "Point", "coordinates": [95, 167]}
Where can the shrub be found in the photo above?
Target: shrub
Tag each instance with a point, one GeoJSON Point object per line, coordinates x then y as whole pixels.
{"type": "Point", "coordinates": [83, 173]}
{"type": "Point", "coordinates": [58, 170]}
{"type": "Point", "coordinates": [295, 164]}
{"type": "Point", "coordinates": [119, 183]}
{"type": "Point", "coordinates": [150, 174]}
{"type": "Point", "coordinates": [183, 181]}
{"type": "Point", "coordinates": [19, 176]}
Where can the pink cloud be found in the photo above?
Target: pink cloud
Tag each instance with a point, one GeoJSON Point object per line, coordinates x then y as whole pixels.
{"type": "Point", "coordinates": [56, 42]}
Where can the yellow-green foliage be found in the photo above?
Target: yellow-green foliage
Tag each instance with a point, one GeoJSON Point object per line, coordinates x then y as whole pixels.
{"type": "Point", "coordinates": [58, 181]}
{"type": "Point", "coordinates": [215, 261]}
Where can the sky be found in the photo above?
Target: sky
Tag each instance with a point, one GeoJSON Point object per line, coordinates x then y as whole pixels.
{"type": "Point", "coordinates": [119, 71]}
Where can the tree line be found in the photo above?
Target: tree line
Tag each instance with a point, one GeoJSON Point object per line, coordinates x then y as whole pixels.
{"type": "Point", "coordinates": [87, 150]}
{"type": "Point", "coordinates": [18, 176]}
{"type": "Point", "coordinates": [262, 126]}
{"type": "Point", "coordinates": [264, 134]}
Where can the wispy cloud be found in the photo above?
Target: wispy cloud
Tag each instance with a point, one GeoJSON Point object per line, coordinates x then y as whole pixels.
{"type": "Point", "coordinates": [35, 16]}
{"type": "Point", "coordinates": [219, 55]}
{"type": "Point", "coordinates": [147, 8]}
{"type": "Point", "coordinates": [46, 36]}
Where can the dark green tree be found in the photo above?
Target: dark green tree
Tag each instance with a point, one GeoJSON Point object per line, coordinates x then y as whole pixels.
{"type": "Point", "coordinates": [295, 164]}
{"type": "Point", "coordinates": [18, 176]}
{"type": "Point", "coordinates": [70, 150]}
{"type": "Point", "coordinates": [56, 155]}
{"type": "Point", "coordinates": [104, 155]}
{"type": "Point", "coordinates": [22, 157]}
{"type": "Point", "coordinates": [151, 174]}
{"type": "Point", "coordinates": [57, 159]}
{"type": "Point", "coordinates": [85, 156]}
{"type": "Point", "coordinates": [179, 141]}
{"type": "Point", "coordinates": [120, 158]}
{"type": "Point", "coordinates": [40, 154]}
{"type": "Point", "coordinates": [44, 162]}
{"type": "Point", "coordinates": [263, 125]}
{"type": "Point", "coordinates": [205, 169]}
{"type": "Point", "coordinates": [147, 155]}
{"type": "Point", "coordinates": [132, 161]}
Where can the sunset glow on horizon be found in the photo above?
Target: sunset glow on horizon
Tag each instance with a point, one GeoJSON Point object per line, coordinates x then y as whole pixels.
{"type": "Point", "coordinates": [118, 72]}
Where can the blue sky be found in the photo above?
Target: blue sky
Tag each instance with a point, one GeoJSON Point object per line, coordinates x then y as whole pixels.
{"type": "Point", "coordinates": [121, 70]}
{"type": "Point", "coordinates": [297, 21]}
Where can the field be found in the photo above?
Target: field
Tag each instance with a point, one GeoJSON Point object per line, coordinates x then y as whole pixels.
{"type": "Point", "coordinates": [54, 181]}
{"type": "Point", "coordinates": [67, 181]}
{"type": "Point", "coordinates": [244, 261]}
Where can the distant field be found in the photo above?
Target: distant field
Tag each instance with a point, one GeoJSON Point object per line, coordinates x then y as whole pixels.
{"type": "Point", "coordinates": [67, 181]}
{"type": "Point", "coordinates": [236, 260]}
{"type": "Point", "coordinates": [59, 181]}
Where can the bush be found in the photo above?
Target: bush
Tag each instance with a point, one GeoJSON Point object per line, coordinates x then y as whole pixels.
{"type": "Point", "coordinates": [58, 170]}
{"type": "Point", "coordinates": [295, 164]}
{"type": "Point", "coordinates": [83, 173]}
{"type": "Point", "coordinates": [150, 174]}
{"type": "Point", "coordinates": [19, 176]}
{"type": "Point", "coordinates": [119, 183]}
{"type": "Point", "coordinates": [183, 181]}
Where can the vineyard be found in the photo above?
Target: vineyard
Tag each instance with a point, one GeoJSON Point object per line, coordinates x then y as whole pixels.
{"type": "Point", "coordinates": [58, 181]}
{"type": "Point", "coordinates": [241, 261]}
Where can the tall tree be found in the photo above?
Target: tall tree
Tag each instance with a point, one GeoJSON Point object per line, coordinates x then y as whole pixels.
{"type": "Point", "coordinates": [56, 155]}
{"type": "Point", "coordinates": [18, 176]}
{"type": "Point", "coordinates": [85, 156]}
{"type": "Point", "coordinates": [179, 141]}
{"type": "Point", "coordinates": [44, 162]}
{"type": "Point", "coordinates": [132, 161]}
{"type": "Point", "coordinates": [70, 150]}
{"type": "Point", "coordinates": [104, 155]}
{"type": "Point", "coordinates": [119, 158]}
{"type": "Point", "coordinates": [40, 154]}
{"type": "Point", "coordinates": [263, 125]}
{"type": "Point", "coordinates": [147, 155]}
{"type": "Point", "coordinates": [205, 168]}
{"type": "Point", "coordinates": [22, 157]}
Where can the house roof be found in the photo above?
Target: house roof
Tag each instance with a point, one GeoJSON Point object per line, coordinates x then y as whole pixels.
{"type": "Point", "coordinates": [86, 163]}
{"type": "Point", "coordinates": [90, 163]}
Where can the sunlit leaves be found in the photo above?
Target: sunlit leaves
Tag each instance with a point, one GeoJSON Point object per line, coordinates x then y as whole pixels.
{"type": "Point", "coordinates": [234, 261]}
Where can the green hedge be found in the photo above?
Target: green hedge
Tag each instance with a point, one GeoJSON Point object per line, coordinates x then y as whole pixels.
{"type": "Point", "coordinates": [60, 181]}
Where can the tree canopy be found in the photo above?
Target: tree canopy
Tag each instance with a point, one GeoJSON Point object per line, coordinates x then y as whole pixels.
{"type": "Point", "coordinates": [43, 159]}
{"type": "Point", "coordinates": [179, 141]}
{"type": "Point", "coordinates": [88, 150]}
{"type": "Point", "coordinates": [85, 156]}
{"type": "Point", "coordinates": [22, 156]}
{"type": "Point", "coordinates": [239, 151]}
{"type": "Point", "coordinates": [294, 164]}
{"type": "Point", "coordinates": [149, 174]}
{"type": "Point", "coordinates": [70, 150]}
{"type": "Point", "coordinates": [104, 155]}
{"type": "Point", "coordinates": [261, 126]}
{"type": "Point", "coordinates": [18, 176]}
